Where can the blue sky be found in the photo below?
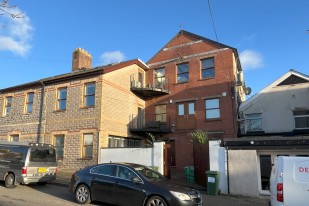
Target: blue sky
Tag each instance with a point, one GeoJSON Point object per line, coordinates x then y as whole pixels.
{"type": "Point", "coordinates": [271, 36]}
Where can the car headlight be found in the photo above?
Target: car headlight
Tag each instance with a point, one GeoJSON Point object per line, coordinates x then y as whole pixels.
{"type": "Point", "coordinates": [181, 196]}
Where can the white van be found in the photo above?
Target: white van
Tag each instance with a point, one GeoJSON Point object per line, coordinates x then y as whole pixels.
{"type": "Point", "coordinates": [289, 181]}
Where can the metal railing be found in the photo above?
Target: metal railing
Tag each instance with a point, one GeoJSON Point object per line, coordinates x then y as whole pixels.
{"type": "Point", "coordinates": [159, 83]}
{"type": "Point", "coordinates": [149, 122]}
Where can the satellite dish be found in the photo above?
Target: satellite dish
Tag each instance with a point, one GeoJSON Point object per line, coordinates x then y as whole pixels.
{"type": "Point", "coordinates": [248, 90]}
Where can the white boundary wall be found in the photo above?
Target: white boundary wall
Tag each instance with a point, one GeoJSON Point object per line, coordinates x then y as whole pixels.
{"type": "Point", "coordinates": [218, 162]}
{"type": "Point", "coordinates": [146, 156]}
{"type": "Point", "coordinates": [243, 173]}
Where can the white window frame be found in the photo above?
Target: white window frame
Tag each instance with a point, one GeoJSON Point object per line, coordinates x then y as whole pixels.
{"type": "Point", "coordinates": [207, 108]}
{"type": "Point", "coordinates": [159, 77]}
{"type": "Point", "coordinates": [254, 118]}
{"type": "Point", "coordinates": [301, 116]}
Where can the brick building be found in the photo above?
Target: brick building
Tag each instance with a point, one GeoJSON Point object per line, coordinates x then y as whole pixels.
{"type": "Point", "coordinates": [191, 83]}
{"type": "Point", "coordinates": [78, 112]}
{"type": "Point", "coordinates": [202, 86]}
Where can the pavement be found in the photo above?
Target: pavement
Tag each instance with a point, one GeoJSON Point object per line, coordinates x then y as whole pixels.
{"type": "Point", "coordinates": [64, 175]}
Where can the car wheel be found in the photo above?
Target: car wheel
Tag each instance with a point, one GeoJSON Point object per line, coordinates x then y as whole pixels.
{"type": "Point", "coordinates": [156, 201]}
{"type": "Point", "coordinates": [10, 181]}
{"type": "Point", "coordinates": [82, 194]}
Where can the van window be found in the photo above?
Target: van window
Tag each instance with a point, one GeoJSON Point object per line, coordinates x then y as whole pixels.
{"type": "Point", "coordinates": [4, 153]}
{"type": "Point", "coordinates": [42, 155]}
{"type": "Point", "coordinates": [17, 153]}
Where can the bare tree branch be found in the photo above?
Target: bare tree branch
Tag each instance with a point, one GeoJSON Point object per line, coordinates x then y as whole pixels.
{"type": "Point", "coordinates": [6, 9]}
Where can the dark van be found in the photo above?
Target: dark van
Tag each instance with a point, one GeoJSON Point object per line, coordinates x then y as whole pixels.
{"type": "Point", "coordinates": [24, 163]}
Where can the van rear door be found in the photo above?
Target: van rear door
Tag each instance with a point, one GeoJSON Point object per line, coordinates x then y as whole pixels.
{"type": "Point", "coordinates": [42, 161]}
{"type": "Point", "coordinates": [296, 181]}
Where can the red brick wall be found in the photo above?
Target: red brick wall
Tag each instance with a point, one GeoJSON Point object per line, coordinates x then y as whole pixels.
{"type": "Point", "coordinates": [197, 89]}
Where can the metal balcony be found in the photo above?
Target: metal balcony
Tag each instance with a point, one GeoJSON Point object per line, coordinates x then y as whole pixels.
{"type": "Point", "coordinates": [149, 123]}
{"type": "Point", "coordinates": [158, 88]}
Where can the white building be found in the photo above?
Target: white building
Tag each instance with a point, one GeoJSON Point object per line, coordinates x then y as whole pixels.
{"type": "Point", "coordinates": [273, 122]}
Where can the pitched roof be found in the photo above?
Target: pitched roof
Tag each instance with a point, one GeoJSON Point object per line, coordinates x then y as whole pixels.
{"type": "Point", "coordinates": [74, 75]}
{"type": "Point", "coordinates": [209, 41]}
{"type": "Point", "coordinates": [291, 77]}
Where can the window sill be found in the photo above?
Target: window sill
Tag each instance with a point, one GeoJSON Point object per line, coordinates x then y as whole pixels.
{"type": "Point", "coordinates": [181, 83]}
{"type": "Point", "coordinates": [213, 120]}
{"type": "Point", "coordinates": [57, 111]}
{"type": "Point", "coordinates": [206, 78]}
{"type": "Point", "coordinates": [86, 158]}
{"type": "Point", "coordinates": [87, 107]}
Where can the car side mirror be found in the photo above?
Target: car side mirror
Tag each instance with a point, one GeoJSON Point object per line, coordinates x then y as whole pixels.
{"type": "Point", "coordinates": [136, 180]}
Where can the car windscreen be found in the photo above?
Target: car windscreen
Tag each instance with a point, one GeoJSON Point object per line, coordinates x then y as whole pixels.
{"type": "Point", "coordinates": [149, 173]}
{"type": "Point", "coordinates": [42, 154]}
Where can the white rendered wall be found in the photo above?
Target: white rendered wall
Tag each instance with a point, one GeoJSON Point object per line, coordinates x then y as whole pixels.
{"type": "Point", "coordinates": [218, 162]}
{"type": "Point", "coordinates": [145, 156]}
{"type": "Point", "coordinates": [243, 172]}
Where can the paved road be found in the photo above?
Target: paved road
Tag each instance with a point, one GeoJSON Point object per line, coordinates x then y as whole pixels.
{"type": "Point", "coordinates": [228, 200]}
{"type": "Point", "coordinates": [51, 195]}
{"type": "Point", "coordinates": [33, 195]}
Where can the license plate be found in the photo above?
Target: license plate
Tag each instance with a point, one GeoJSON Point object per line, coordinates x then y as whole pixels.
{"type": "Point", "coordinates": [42, 169]}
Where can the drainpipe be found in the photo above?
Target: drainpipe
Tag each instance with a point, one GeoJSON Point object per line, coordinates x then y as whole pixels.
{"type": "Point", "coordinates": [227, 171]}
{"type": "Point", "coordinates": [99, 150]}
{"type": "Point", "coordinates": [41, 123]}
{"type": "Point", "coordinates": [100, 119]}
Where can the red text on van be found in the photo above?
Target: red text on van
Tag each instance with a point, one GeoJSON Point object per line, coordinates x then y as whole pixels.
{"type": "Point", "coordinates": [303, 169]}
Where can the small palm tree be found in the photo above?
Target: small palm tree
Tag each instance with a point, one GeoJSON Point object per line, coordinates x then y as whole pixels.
{"type": "Point", "coordinates": [201, 136]}
{"type": "Point", "coordinates": [151, 138]}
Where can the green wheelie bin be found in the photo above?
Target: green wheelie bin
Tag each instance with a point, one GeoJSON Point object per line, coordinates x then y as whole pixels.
{"type": "Point", "coordinates": [212, 182]}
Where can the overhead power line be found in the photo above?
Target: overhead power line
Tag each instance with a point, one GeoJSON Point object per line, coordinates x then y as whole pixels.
{"type": "Point", "coordinates": [212, 20]}
{"type": "Point", "coordinates": [217, 39]}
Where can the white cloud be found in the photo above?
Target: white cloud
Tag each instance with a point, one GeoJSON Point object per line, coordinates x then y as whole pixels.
{"type": "Point", "coordinates": [112, 57]}
{"type": "Point", "coordinates": [16, 33]}
{"type": "Point", "coordinates": [251, 60]}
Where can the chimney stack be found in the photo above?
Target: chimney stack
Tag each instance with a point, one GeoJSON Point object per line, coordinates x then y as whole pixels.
{"type": "Point", "coordinates": [81, 60]}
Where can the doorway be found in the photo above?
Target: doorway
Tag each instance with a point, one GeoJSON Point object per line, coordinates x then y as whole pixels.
{"type": "Point", "coordinates": [185, 118]}
{"type": "Point", "coordinates": [265, 162]}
